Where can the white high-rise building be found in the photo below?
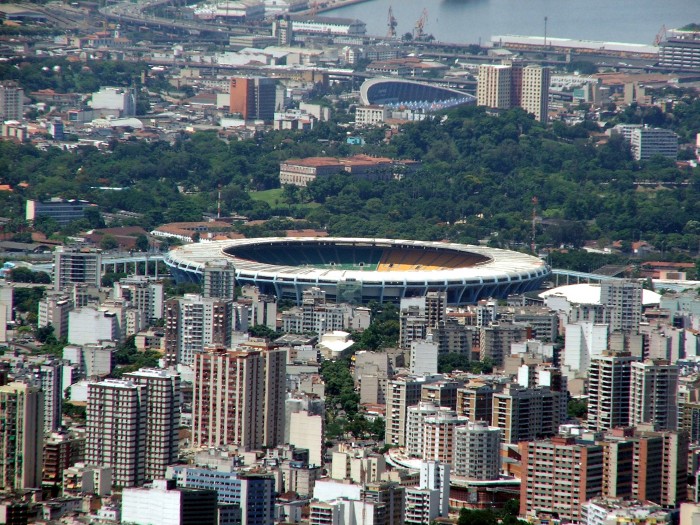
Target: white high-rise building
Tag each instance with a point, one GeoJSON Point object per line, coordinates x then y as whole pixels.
{"type": "Point", "coordinates": [648, 142]}
{"type": "Point", "coordinates": [50, 375]}
{"type": "Point", "coordinates": [477, 451]}
{"type": "Point", "coordinates": [430, 499]}
{"type": "Point", "coordinates": [53, 310]}
{"type": "Point", "coordinates": [584, 341]}
{"type": "Point", "coordinates": [424, 357]}
{"type": "Point", "coordinates": [653, 394]}
{"type": "Point", "coordinates": [191, 323]}
{"type": "Point", "coordinates": [143, 294]}
{"type": "Point", "coordinates": [116, 429]}
{"type": "Point", "coordinates": [415, 429]}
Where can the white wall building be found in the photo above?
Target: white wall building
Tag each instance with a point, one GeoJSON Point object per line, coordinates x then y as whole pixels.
{"type": "Point", "coordinates": [89, 325]}
{"type": "Point", "coordinates": [307, 432]}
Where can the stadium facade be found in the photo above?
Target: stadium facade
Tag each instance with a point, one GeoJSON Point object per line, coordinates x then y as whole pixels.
{"type": "Point", "coordinates": [399, 91]}
{"type": "Point", "coordinates": [362, 270]}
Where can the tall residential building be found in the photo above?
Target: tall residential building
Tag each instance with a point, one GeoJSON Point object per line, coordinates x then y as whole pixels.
{"type": "Point", "coordinates": [475, 402]}
{"type": "Point", "coordinates": [534, 91]}
{"type": "Point", "coordinates": [53, 310]}
{"type": "Point", "coordinates": [439, 435]}
{"type": "Point", "coordinates": [415, 428]}
{"type": "Point", "coordinates": [116, 429]}
{"type": "Point", "coordinates": [430, 499]}
{"type": "Point", "coordinates": [653, 394]}
{"type": "Point", "coordinates": [402, 393]}
{"type": "Point", "coordinates": [645, 464]}
{"type": "Point", "coordinates": [526, 413]}
{"type": "Point", "coordinates": [495, 340]}
{"type": "Point", "coordinates": [512, 84]}
{"type": "Point", "coordinates": [142, 294]}
{"type": "Point", "coordinates": [50, 378]}
{"type": "Point", "coordinates": [389, 500]}
{"type": "Point", "coordinates": [233, 403]}
{"type": "Point", "coordinates": [21, 436]}
{"type": "Point", "coordinates": [253, 98]}
{"type": "Point", "coordinates": [494, 86]}
{"type": "Point", "coordinates": [558, 476]}
{"type": "Point", "coordinates": [477, 451]}
{"type": "Point", "coordinates": [219, 280]}
{"type": "Point", "coordinates": [624, 298]}
{"type": "Point", "coordinates": [191, 323]}
{"type": "Point", "coordinates": [11, 101]}
{"type": "Point", "coordinates": [162, 418]}
{"type": "Point", "coordinates": [73, 266]}
{"type": "Point", "coordinates": [420, 314]}
{"type": "Point", "coordinates": [609, 381]}
{"type": "Point", "coordinates": [424, 357]}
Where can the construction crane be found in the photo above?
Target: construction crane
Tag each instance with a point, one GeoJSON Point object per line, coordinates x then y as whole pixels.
{"type": "Point", "coordinates": [660, 36]}
{"type": "Point", "coordinates": [420, 25]}
{"type": "Point", "coordinates": [314, 8]}
{"type": "Point", "coordinates": [391, 24]}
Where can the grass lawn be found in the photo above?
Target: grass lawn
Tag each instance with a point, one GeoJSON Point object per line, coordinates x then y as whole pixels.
{"type": "Point", "coordinates": [269, 196]}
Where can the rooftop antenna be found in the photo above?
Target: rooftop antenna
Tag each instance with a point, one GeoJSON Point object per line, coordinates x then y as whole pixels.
{"type": "Point", "coordinates": [218, 204]}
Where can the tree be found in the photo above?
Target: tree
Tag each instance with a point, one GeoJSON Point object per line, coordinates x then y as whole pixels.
{"type": "Point", "coordinates": [109, 242]}
{"type": "Point", "coordinates": [577, 408]}
{"type": "Point", "coordinates": [260, 330]}
{"type": "Point", "coordinates": [142, 243]}
{"type": "Point", "coordinates": [44, 333]}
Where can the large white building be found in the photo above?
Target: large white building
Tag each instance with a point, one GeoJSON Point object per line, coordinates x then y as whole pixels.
{"type": "Point", "coordinates": [327, 25]}
{"type": "Point", "coordinates": [583, 341]}
{"type": "Point", "coordinates": [424, 357]}
{"type": "Point", "coordinates": [89, 325]}
{"type": "Point", "coordinates": [535, 91]}
{"type": "Point", "coordinates": [116, 99]}
{"type": "Point", "coordinates": [143, 294]}
{"type": "Point", "coordinates": [53, 310]}
{"type": "Point", "coordinates": [306, 431]}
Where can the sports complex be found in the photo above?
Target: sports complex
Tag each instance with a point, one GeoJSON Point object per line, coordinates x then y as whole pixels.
{"type": "Point", "coordinates": [362, 270]}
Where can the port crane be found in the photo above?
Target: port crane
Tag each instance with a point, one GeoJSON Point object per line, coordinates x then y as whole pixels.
{"type": "Point", "coordinates": [418, 30]}
{"type": "Point", "coordinates": [391, 24]}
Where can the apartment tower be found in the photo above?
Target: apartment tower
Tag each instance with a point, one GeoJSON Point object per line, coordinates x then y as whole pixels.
{"type": "Point", "coordinates": [653, 398]}
{"type": "Point", "coordinates": [117, 422]}
{"type": "Point", "coordinates": [162, 418]}
{"type": "Point", "coordinates": [609, 382]}
{"type": "Point", "coordinates": [21, 438]}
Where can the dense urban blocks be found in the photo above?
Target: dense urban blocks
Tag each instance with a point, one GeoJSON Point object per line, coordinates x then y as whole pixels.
{"type": "Point", "coordinates": [363, 270]}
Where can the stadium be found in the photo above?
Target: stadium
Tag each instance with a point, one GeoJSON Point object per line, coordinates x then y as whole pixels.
{"type": "Point", "coordinates": [398, 93]}
{"type": "Point", "coordinates": [363, 270]}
